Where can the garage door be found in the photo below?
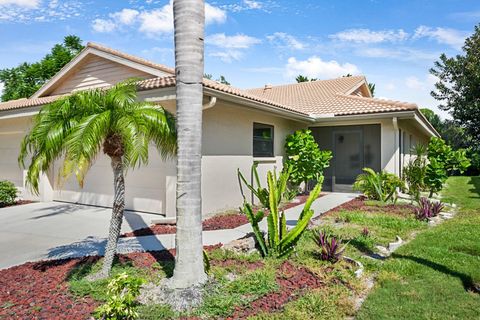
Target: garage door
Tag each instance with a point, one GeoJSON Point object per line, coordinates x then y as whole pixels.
{"type": "Point", "coordinates": [9, 149]}
{"type": "Point", "coordinates": [146, 187]}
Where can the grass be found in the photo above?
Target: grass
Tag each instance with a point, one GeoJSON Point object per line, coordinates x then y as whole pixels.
{"type": "Point", "coordinates": [425, 279]}
{"type": "Point", "coordinates": [432, 276]}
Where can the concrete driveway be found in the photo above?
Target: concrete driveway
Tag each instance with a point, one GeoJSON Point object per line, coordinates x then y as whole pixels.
{"type": "Point", "coordinates": [33, 231]}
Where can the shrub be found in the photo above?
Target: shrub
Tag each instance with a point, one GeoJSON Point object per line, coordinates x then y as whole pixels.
{"type": "Point", "coordinates": [414, 172]}
{"type": "Point", "coordinates": [380, 186]}
{"type": "Point", "coordinates": [428, 209]}
{"type": "Point", "coordinates": [8, 193]}
{"type": "Point", "coordinates": [305, 158]}
{"type": "Point", "coordinates": [121, 303]}
{"type": "Point", "coordinates": [329, 246]}
{"type": "Point", "coordinates": [280, 242]}
{"type": "Point", "coordinates": [443, 161]}
{"type": "Point", "coordinates": [262, 193]}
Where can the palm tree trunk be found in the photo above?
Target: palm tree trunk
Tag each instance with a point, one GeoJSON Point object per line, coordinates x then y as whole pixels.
{"type": "Point", "coordinates": [189, 22]}
{"type": "Point", "coordinates": [117, 215]}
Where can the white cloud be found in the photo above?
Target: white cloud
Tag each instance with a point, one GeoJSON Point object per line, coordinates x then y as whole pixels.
{"type": "Point", "coordinates": [238, 41]}
{"type": "Point", "coordinates": [414, 83]}
{"type": "Point", "coordinates": [152, 22]}
{"type": "Point", "coordinates": [228, 56]}
{"type": "Point", "coordinates": [253, 4]}
{"type": "Point", "coordinates": [284, 40]}
{"type": "Point", "coordinates": [315, 67]}
{"type": "Point", "coordinates": [232, 46]}
{"type": "Point", "coordinates": [101, 25]}
{"type": "Point", "coordinates": [452, 37]}
{"type": "Point", "coordinates": [21, 3]}
{"type": "Point", "coordinates": [427, 83]}
{"type": "Point", "coordinates": [369, 36]}
{"type": "Point", "coordinates": [157, 21]}
{"type": "Point", "coordinates": [400, 53]}
{"type": "Point", "coordinates": [126, 16]}
{"type": "Point", "coordinates": [214, 14]}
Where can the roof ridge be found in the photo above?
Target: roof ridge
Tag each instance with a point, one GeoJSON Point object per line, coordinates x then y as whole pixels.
{"type": "Point", "coordinates": [382, 101]}
{"type": "Point", "coordinates": [362, 77]}
{"type": "Point", "coordinates": [131, 57]}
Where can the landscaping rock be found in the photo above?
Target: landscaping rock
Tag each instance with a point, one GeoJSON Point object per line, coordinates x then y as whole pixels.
{"type": "Point", "coordinates": [382, 251]}
{"type": "Point", "coordinates": [433, 221]}
{"type": "Point", "coordinates": [242, 245]}
{"type": "Point", "coordinates": [358, 264]}
{"type": "Point", "coordinates": [392, 246]}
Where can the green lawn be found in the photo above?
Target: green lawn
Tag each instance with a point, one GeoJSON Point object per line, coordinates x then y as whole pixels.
{"type": "Point", "coordinates": [429, 278]}
{"type": "Point", "coordinates": [432, 276]}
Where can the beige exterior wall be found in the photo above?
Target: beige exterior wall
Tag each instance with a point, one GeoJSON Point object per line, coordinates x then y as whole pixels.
{"type": "Point", "coordinates": [97, 72]}
{"type": "Point", "coordinates": [227, 145]}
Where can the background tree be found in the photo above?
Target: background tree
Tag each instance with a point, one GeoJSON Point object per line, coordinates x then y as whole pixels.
{"type": "Point", "coordinates": [458, 86]}
{"type": "Point", "coordinates": [222, 79]}
{"type": "Point", "coordinates": [189, 25]}
{"type": "Point", "coordinates": [25, 79]}
{"type": "Point", "coordinates": [302, 78]}
{"type": "Point", "coordinates": [77, 127]}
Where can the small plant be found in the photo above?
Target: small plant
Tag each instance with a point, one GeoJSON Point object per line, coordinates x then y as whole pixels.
{"type": "Point", "coordinates": [121, 304]}
{"type": "Point", "coordinates": [329, 246]}
{"type": "Point", "coordinates": [280, 242]}
{"type": "Point", "coordinates": [380, 186]}
{"type": "Point", "coordinates": [428, 209]}
{"type": "Point", "coordinates": [8, 193]}
{"type": "Point", "coordinates": [414, 172]}
{"type": "Point", "coordinates": [365, 232]}
{"type": "Point", "coordinates": [305, 158]}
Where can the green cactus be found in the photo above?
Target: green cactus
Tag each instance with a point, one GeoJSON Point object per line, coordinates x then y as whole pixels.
{"type": "Point", "coordinates": [279, 241]}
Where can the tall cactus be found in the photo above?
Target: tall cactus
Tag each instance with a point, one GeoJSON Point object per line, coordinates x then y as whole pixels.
{"type": "Point", "coordinates": [280, 241]}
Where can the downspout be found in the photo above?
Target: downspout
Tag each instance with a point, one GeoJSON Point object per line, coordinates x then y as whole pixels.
{"type": "Point", "coordinates": [396, 146]}
{"type": "Point", "coordinates": [212, 101]}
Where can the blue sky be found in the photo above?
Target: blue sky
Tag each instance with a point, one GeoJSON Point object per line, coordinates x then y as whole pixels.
{"type": "Point", "coordinates": [252, 43]}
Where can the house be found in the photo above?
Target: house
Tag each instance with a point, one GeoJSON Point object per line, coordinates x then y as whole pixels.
{"type": "Point", "coordinates": [239, 127]}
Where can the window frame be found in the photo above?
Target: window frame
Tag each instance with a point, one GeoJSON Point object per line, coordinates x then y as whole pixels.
{"type": "Point", "coordinates": [259, 139]}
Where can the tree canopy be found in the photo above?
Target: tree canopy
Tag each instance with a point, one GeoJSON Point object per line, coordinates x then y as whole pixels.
{"type": "Point", "coordinates": [25, 79]}
{"type": "Point", "coordinates": [458, 86]}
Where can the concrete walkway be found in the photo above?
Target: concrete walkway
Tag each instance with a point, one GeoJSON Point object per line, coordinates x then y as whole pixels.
{"type": "Point", "coordinates": [96, 245]}
{"type": "Point", "coordinates": [36, 231]}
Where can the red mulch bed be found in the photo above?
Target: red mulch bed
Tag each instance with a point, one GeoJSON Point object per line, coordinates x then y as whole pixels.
{"type": "Point", "coordinates": [17, 203]}
{"type": "Point", "coordinates": [220, 222]}
{"type": "Point", "coordinates": [39, 290]}
{"type": "Point", "coordinates": [292, 281]}
{"type": "Point", "coordinates": [358, 204]}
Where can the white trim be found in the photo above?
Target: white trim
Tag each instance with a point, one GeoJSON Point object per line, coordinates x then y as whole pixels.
{"type": "Point", "coordinates": [109, 56]}
{"type": "Point", "coordinates": [359, 85]}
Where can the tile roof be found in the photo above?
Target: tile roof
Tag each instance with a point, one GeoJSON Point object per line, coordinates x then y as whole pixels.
{"type": "Point", "coordinates": [330, 97]}
{"type": "Point", "coordinates": [316, 98]}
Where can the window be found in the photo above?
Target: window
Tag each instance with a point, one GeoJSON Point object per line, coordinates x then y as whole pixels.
{"type": "Point", "coordinates": [262, 140]}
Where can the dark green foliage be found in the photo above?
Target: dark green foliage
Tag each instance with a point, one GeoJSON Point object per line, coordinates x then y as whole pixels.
{"type": "Point", "coordinates": [380, 186]}
{"type": "Point", "coordinates": [442, 161]}
{"type": "Point", "coordinates": [279, 242]}
{"type": "Point", "coordinates": [25, 79]}
{"type": "Point", "coordinates": [302, 78]}
{"type": "Point", "coordinates": [121, 298]}
{"type": "Point", "coordinates": [415, 171]}
{"type": "Point", "coordinates": [305, 157]}
{"type": "Point", "coordinates": [8, 193]}
{"type": "Point", "coordinates": [457, 88]}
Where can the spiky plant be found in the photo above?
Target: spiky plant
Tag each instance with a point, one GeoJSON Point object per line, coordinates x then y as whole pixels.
{"type": "Point", "coordinates": [330, 249]}
{"type": "Point", "coordinates": [427, 209]}
{"type": "Point", "coordinates": [280, 241]}
{"type": "Point", "coordinates": [76, 128]}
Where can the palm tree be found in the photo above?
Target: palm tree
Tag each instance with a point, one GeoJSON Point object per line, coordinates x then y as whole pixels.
{"type": "Point", "coordinates": [189, 23]}
{"type": "Point", "coordinates": [77, 127]}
